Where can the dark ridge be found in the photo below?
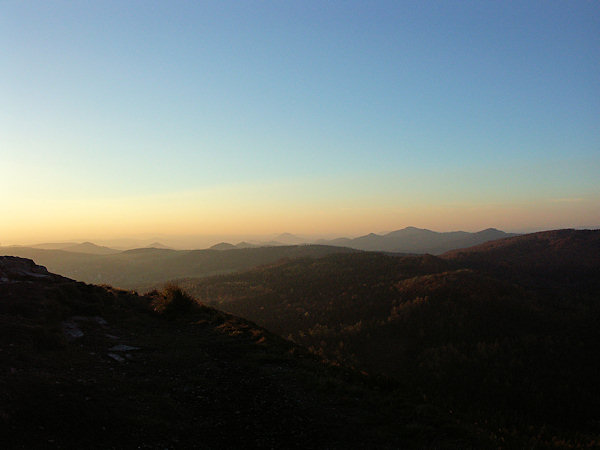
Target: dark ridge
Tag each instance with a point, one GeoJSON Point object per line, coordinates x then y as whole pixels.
{"type": "Point", "coordinates": [556, 260]}
{"type": "Point", "coordinates": [80, 369]}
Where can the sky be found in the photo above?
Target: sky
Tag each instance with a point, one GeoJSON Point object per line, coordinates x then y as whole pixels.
{"type": "Point", "coordinates": [216, 118]}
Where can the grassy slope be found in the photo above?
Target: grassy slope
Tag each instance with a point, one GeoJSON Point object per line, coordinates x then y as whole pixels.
{"type": "Point", "coordinates": [199, 379]}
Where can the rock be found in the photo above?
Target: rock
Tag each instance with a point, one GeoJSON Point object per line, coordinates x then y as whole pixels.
{"type": "Point", "coordinates": [71, 330]}
{"type": "Point", "coordinates": [100, 321]}
{"type": "Point", "coordinates": [116, 357]}
{"type": "Point", "coordinates": [123, 348]}
{"type": "Point", "coordinates": [13, 269]}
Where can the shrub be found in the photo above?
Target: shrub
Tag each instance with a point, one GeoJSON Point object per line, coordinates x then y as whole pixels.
{"type": "Point", "coordinates": [173, 301]}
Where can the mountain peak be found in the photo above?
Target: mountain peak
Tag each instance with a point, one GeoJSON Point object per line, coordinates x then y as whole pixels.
{"type": "Point", "coordinates": [158, 245]}
{"type": "Point", "coordinates": [222, 246]}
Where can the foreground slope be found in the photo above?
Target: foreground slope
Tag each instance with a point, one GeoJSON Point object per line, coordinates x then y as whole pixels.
{"type": "Point", "coordinates": [510, 339]}
{"type": "Point", "coordinates": [94, 367]}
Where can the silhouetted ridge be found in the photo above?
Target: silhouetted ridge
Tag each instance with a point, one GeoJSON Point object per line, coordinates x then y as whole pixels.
{"type": "Point", "coordinates": [418, 240]}
{"type": "Point", "coordinates": [558, 258]}
{"type": "Point", "coordinates": [158, 245]}
{"type": "Point", "coordinates": [88, 247]}
{"type": "Point", "coordinates": [147, 251]}
{"type": "Point", "coordinates": [223, 246]}
{"type": "Point", "coordinates": [490, 230]}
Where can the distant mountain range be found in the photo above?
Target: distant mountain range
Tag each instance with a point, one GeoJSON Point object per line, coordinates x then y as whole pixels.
{"type": "Point", "coordinates": [86, 247]}
{"type": "Point", "coordinates": [408, 240]}
{"type": "Point", "coordinates": [83, 247]}
{"type": "Point", "coordinates": [148, 266]}
{"type": "Point", "coordinates": [418, 240]}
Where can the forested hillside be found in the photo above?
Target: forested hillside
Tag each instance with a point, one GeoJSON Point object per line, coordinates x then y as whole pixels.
{"type": "Point", "coordinates": [486, 338]}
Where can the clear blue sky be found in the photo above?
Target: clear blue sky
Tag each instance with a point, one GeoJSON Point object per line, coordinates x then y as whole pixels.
{"type": "Point", "coordinates": [447, 115]}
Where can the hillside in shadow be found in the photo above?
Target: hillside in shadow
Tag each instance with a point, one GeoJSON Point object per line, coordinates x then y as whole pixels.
{"type": "Point", "coordinates": [85, 366]}
{"type": "Point", "coordinates": [555, 260]}
{"type": "Point", "coordinates": [505, 333]}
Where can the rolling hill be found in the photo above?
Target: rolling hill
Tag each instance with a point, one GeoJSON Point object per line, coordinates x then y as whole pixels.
{"type": "Point", "coordinates": [558, 259]}
{"type": "Point", "coordinates": [90, 248]}
{"type": "Point", "coordinates": [144, 268]}
{"type": "Point", "coordinates": [51, 245]}
{"type": "Point", "coordinates": [83, 247]}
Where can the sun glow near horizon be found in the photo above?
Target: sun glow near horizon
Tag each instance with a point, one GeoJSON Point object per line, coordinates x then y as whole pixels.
{"type": "Point", "coordinates": [317, 208]}
{"type": "Point", "coordinates": [258, 118]}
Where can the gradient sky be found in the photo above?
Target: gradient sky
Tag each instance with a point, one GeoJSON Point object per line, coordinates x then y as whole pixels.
{"type": "Point", "coordinates": [140, 118]}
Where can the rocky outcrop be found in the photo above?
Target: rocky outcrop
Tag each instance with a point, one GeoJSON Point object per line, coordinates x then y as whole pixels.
{"type": "Point", "coordinates": [14, 269]}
